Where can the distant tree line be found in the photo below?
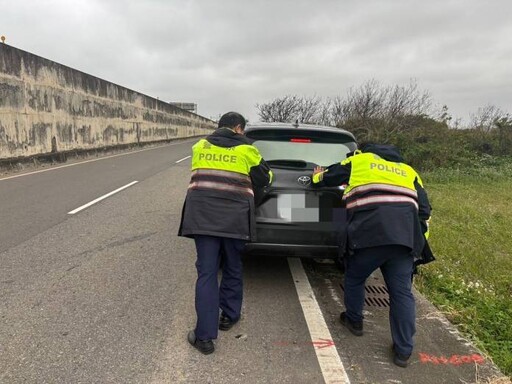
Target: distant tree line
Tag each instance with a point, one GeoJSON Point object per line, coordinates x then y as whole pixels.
{"type": "Point", "coordinates": [404, 116]}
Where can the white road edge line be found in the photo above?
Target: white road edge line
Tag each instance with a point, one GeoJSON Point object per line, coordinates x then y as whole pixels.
{"type": "Point", "coordinates": [185, 158]}
{"type": "Point", "coordinates": [100, 198]}
{"type": "Point", "coordinates": [87, 161]}
{"type": "Point", "coordinates": [328, 358]}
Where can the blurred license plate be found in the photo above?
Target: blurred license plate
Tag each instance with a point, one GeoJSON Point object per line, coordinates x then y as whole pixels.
{"type": "Point", "coordinates": [298, 207]}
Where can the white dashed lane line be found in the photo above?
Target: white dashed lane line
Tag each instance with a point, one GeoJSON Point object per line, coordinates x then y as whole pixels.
{"type": "Point", "coordinates": [100, 198]}
{"type": "Point", "coordinates": [185, 158]}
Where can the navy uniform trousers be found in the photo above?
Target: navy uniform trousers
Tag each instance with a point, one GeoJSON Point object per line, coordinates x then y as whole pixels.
{"type": "Point", "coordinates": [209, 296]}
{"type": "Point", "coordinates": [396, 265]}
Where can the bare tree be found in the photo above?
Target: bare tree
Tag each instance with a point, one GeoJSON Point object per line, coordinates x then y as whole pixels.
{"type": "Point", "coordinates": [406, 100]}
{"type": "Point", "coordinates": [282, 109]}
{"type": "Point", "coordinates": [340, 111]}
{"type": "Point", "coordinates": [291, 108]}
{"type": "Point", "coordinates": [367, 101]}
{"type": "Point", "coordinates": [325, 115]}
{"type": "Point", "coordinates": [308, 109]}
{"type": "Point", "coordinates": [487, 117]}
{"type": "Point", "coordinates": [368, 108]}
{"type": "Point", "coordinates": [374, 101]}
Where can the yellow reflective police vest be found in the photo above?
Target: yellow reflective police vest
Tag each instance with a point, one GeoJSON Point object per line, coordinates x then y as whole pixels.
{"type": "Point", "coordinates": [223, 168]}
{"type": "Point", "coordinates": [369, 168]}
{"type": "Point", "coordinates": [392, 182]}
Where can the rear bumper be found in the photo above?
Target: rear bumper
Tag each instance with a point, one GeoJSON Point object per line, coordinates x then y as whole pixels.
{"type": "Point", "coordinates": [292, 250]}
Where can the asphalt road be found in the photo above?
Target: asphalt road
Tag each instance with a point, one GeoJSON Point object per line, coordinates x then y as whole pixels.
{"type": "Point", "coordinates": [106, 295]}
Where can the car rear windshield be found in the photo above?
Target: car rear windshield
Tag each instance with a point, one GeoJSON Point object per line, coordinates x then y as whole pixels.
{"type": "Point", "coordinates": [321, 148]}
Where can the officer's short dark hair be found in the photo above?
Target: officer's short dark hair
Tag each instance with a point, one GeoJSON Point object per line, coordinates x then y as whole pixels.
{"type": "Point", "coordinates": [231, 120]}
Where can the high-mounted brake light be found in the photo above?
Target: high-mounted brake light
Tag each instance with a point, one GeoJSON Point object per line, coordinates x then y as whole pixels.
{"type": "Point", "coordinates": [300, 140]}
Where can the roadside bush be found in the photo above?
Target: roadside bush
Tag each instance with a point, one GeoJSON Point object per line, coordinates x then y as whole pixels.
{"type": "Point", "coordinates": [427, 144]}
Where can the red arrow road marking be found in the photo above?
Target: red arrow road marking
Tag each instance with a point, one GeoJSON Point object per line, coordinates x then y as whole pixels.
{"type": "Point", "coordinates": [318, 344]}
{"type": "Point", "coordinates": [323, 343]}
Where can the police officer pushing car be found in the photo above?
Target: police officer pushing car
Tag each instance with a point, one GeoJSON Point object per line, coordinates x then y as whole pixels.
{"type": "Point", "coordinates": [387, 214]}
{"type": "Point", "coordinates": [219, 215]}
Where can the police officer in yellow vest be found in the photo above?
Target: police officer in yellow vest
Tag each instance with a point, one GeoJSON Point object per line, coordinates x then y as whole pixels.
{"type": "Point", "coordinates": [219, 214]}
{"type": "Point", "coordinates": [387, 212]}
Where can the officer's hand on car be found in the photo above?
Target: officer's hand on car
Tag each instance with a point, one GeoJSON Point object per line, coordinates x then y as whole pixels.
{"type": "Point", "coordinates": [317, 169]}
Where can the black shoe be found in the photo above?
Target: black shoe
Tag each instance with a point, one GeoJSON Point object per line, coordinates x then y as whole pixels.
{"type": "Point", "coordinates": [204, 346]}
{"type": "Point", "coordinates": [399, 359]}
{"type": "Point", "coordinates": [356, 327]}
{"type": "Point", "coordinates": [225, 323]}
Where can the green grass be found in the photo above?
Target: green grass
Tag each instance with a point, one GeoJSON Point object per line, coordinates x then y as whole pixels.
{"type": "Point", "coordinates": [471, 235]}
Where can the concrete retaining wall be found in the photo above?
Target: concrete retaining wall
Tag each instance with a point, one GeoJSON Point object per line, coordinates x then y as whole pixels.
{"type": "Point", "coordinates": [47, 107]}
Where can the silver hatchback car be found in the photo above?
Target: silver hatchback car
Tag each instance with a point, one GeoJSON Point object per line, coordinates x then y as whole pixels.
{"type": "Point", "coordinates": [293, 218]}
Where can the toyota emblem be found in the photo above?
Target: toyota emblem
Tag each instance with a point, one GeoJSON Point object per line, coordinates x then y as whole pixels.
{"type": "Point", "coordinates": [304, 180]}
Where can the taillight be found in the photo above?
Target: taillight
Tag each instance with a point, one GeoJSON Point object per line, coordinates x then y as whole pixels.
{"type": "Point", "coordinates": [300, 140]}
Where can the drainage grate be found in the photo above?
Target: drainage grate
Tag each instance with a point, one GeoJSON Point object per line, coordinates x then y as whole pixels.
{"type": "Point", "coordinates": [375, 295]}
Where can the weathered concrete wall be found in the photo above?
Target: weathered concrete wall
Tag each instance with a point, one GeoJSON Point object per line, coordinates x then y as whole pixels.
{"type": "Point", "coordinates": [47, 107]}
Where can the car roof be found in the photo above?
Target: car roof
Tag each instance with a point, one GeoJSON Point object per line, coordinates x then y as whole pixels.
{"type": "Point", "coordinates": [296, 126]}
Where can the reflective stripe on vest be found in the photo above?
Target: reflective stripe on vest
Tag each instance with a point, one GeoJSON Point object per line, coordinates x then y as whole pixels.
{"type": "Point", "coordinates": [221, 181]}
{"type": "Point", "coordinates": [218, 172]}
{"type": "Point", "coordinates": [363, 201]}
{"type": "Point", "coordinates": [219, 187]}
{"type": "Point", "coordinates": [380, 187]}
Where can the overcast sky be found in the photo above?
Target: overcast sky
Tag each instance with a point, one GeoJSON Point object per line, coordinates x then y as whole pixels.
{"type": "Point", "coordinates": [231, 54]}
